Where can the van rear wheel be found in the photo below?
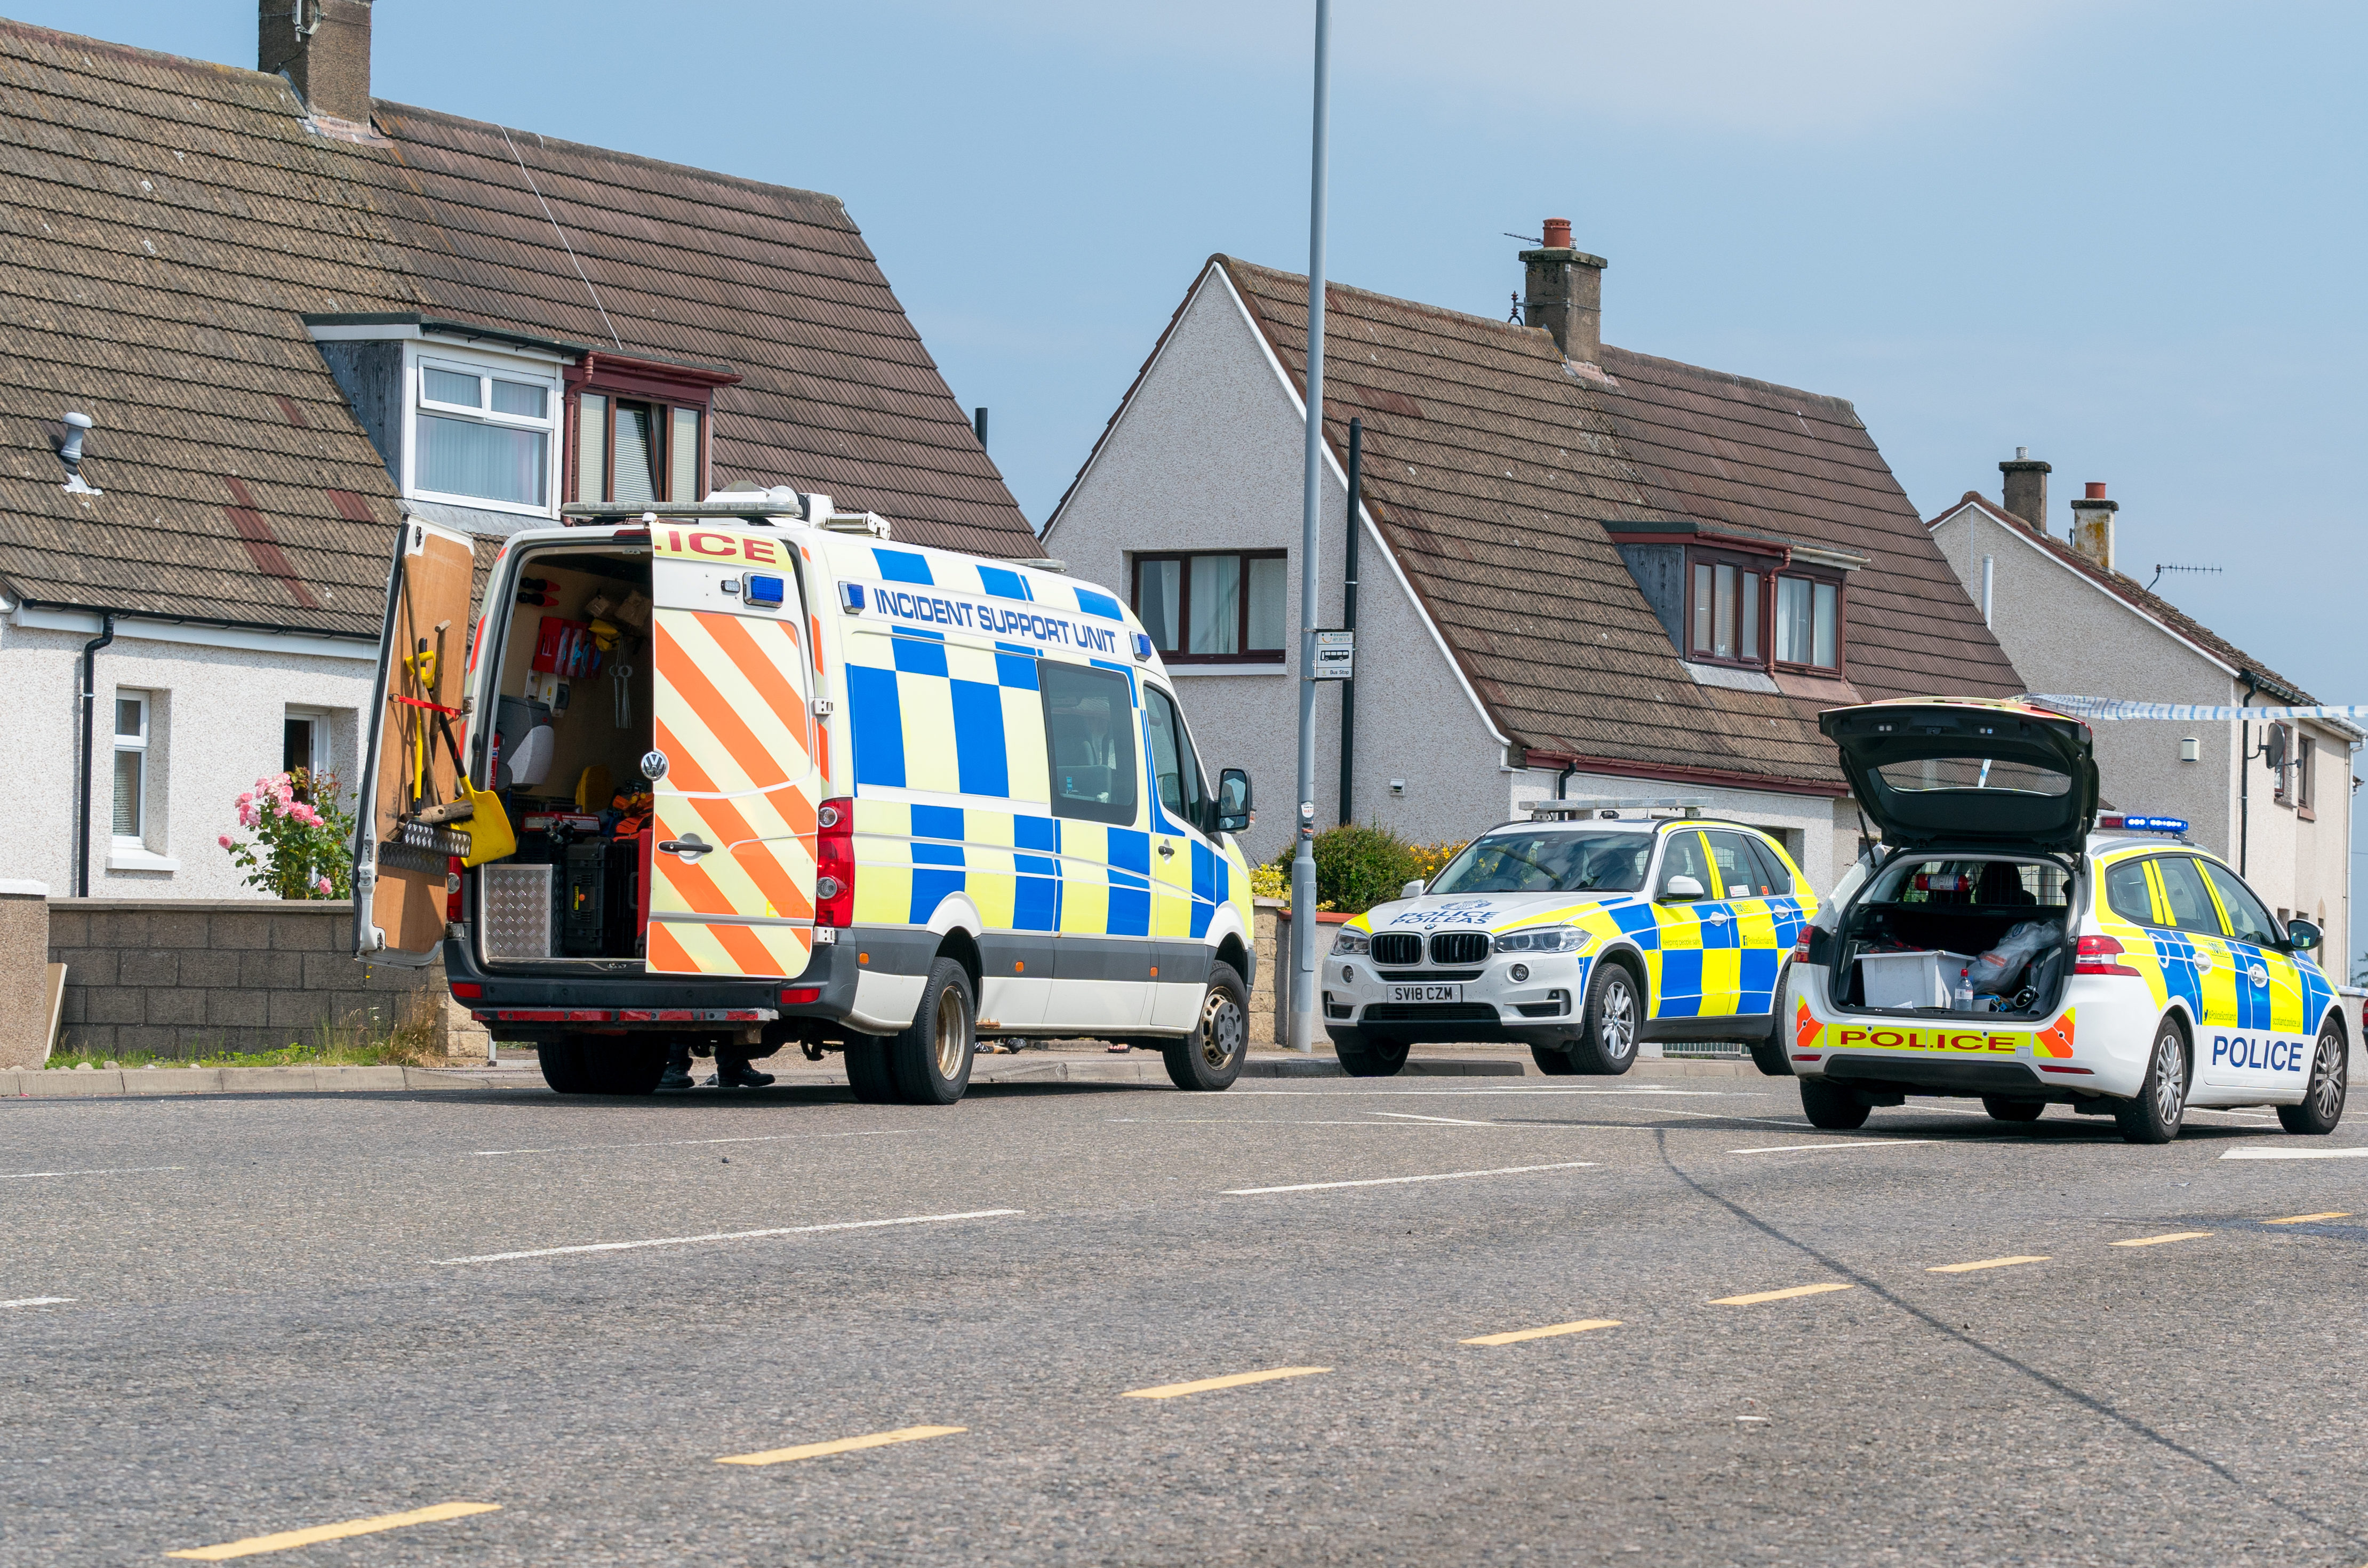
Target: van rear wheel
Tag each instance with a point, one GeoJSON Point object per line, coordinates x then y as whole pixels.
{"type": "Point", "coordinates": [562, 1067]}
{"type": "Point", "coordinates": [621, 1066]}
{"type": "Point", "coordinates": [866, 1060]}
{"type": "Point", "coordinates": [1210, 1057]}
{"type": "Point", "coordinates": [930, 1061]}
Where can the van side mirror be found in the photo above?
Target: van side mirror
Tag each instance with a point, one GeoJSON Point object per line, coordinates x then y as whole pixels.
{"type": "Point", "coordinates": [1233, 800]}
{"type": "Point", "coordinates": [2303, 936]}
{"type": "Point", "coordinates": [1682, 887]}
{"type": "Point", "coordinates": [1413, 889]}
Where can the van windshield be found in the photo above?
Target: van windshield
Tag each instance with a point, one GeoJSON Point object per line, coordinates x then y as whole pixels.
{"type": "Point", "coordinates": [1549, 861]}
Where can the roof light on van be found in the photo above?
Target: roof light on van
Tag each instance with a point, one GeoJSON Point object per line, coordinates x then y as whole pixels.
{"type": "Point", "coordinates": [1142, 645]}
{"type": "Point", "coordinates": [850, 596]}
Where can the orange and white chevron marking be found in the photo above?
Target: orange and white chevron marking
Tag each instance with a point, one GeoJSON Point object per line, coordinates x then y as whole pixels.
{"type": "Point", "coordinates": [731, 717]}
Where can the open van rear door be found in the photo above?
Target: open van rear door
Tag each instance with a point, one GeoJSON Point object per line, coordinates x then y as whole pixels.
{"type": "Point", "coordinates": [1964, 772]}
{"type": "Point", "coordinates": [400, 860]}
{"type": "Point", "coordinates": [731, 874]}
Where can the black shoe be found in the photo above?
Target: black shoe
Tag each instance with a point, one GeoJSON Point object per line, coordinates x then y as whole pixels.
{"type": "Point", "coordinates": [743, 1077]}
{"type": "Point", "coordinates": [675, 1079]}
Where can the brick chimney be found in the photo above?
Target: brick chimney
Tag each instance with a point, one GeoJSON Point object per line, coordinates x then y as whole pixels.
{"type": "Point", "coordinates": [1564, 294]}
{"type": "Point", "coordinates": [323, 47]}
{"type": "Point", "coordinates": [2026, 488]}
{"type": "Point", "coordinates": [2092, 525]}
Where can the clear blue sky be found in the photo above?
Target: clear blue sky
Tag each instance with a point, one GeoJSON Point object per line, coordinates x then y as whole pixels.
{"type": "Point", "coordinates": [2127, 235]}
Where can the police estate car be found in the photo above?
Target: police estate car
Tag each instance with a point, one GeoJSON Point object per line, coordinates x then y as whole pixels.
{"type": "Point", "coordinates": [2004, 943]}
{"type": "Point", "coordinates": [1582, 933]}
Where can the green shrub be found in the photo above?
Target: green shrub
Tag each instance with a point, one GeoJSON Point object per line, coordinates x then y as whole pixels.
{"type": "Point", "coordinates": [1357, 868]}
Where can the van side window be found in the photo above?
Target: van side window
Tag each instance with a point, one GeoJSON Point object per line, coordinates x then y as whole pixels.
{"type": "Point", "coordinates": [2182, 888]}
{"type": "Point", "coordinates": [1181, 789]}
{"type": "Point", "coordinates": [1089, 741]}
{"type": "Point", "coordinates": [2125, 892]}
{"type": "Point", "coordinates": [1771, 866]}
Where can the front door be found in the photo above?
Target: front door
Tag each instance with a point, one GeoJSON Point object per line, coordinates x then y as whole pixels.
{"type": "Point", "coordinates": [2268, 1051]}
{"type": "Point", "coordinates": [1697, 929]}
{"type": "Point", "coordinates": [733, 868]}
{"type": "Point", "coordinates": [1183, 866]}
{"type": "Point", "coordinates": [1740, 980]}
{"type": "Point", "coordinates": [402, 854]}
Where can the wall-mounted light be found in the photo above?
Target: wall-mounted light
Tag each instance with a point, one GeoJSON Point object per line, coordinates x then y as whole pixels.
{"type": "Point", "coordinates": [2189, 750]}
{"type": "Point", "coordinates": [1397, 787]}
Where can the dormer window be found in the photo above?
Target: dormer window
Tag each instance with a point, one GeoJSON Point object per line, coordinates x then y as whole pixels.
{"type": "Point", "coordinates": [483, 434]}
{"type": "Point", "coordinates": [638, 430]}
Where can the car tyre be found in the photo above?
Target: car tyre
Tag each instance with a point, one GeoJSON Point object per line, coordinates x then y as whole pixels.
{"type": "Point", "coordinates": [2322, 1106]}
{"type": "Point", "coordinates": [2154, 1117]}
{"type": "Point", "coordinates": [1367, 1056]}
{"type": "Point", "coordinates": [1613, 1014]}
{"type": "Point", "coordinates": [867, 1072]}
{"type": "Point", "coordinates": [627, 1067]}
{"type": "Point", "coordinates": [2001, 1108]}
{"type": "Point", "coordinates": [931, 1058]}
{"type": "Point", "coordinates": [1210, 1057]}
{"type": "Point", "coordinates": [1551, 1062]}
{"type": "Point", "coordinates": [562, 1067]}
{"type": "Point", "coordinates": [1770, 1051]}
{"type": "Point", "coordinates": [1832, 1107]}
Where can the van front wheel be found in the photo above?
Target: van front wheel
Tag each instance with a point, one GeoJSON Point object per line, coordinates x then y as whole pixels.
{"type": "Point", "coordinates": [1210, 1057]}
{"type": "Point", "coordinates": [931, 1059]}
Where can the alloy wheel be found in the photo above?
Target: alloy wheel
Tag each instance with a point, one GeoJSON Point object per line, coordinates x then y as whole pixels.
{"type": "Point", "coordinates": [2169, 1078]}
{"type": "Point", "coordinates": [2327, 1078]}
{"type": "Point", "coordinates": [1616, 1018]}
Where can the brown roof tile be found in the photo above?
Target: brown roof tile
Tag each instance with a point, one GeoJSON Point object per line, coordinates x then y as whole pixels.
{"type": "Point", "coordinates": [169, 221]}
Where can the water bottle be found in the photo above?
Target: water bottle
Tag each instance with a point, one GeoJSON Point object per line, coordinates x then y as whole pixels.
{"type": "Point", "coordinates": [1961, 999]}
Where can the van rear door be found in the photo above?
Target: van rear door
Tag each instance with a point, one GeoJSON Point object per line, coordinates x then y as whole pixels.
{"type": "Point", "coordinates": [733, 872]}
{"type": "Point", "coordinates": [400, 862]}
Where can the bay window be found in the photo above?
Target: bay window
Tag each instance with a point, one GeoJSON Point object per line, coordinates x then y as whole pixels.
{"type": "Point", "coordinates": [1213, 608]}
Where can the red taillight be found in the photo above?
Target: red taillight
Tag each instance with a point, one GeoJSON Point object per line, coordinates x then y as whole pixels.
{"type": "Point", "coordinates": [1801, 944]}
{"type": "Point", "coordinates": [2100, 955]}
{"type": "Point", "coordinates": [834, 864]}
{"type": "Point", "coordinates": [467, 990]}
{"type": "Point", "coordinates": [798, 993]}
{"type": "Point", "coordinates": [452, 869]}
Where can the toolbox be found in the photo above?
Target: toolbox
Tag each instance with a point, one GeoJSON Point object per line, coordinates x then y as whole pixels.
{"type": "Point", "coordinates": [1911, 979]}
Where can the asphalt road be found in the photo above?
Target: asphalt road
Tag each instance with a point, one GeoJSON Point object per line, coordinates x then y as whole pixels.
{"type": "Point", "coordinates": [285, 1312]}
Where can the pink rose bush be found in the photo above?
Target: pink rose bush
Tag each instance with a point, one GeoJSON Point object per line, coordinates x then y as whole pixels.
{"type": "Point", "coordinates": [303, 842]}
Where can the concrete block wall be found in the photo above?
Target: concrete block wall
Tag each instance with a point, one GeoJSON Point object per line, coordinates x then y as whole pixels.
{"type": "Point", "coordinates": [187, 977]}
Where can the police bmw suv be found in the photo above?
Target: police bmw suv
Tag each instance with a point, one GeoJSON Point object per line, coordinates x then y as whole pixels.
{"type": "Point", "coordinates": [1580, 933]}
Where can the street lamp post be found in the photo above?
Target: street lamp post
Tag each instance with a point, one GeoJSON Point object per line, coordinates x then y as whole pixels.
{"type": "Point", "coordinates": [1302, 1031]}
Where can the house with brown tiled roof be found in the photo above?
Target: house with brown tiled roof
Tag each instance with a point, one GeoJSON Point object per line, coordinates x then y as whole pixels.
{"type": "Point", "coordinates": [294, 313]}
{"type": "Point", "coordinates": [1579, 570]}
{"type": "Point", "coordinates": [2274, 799]}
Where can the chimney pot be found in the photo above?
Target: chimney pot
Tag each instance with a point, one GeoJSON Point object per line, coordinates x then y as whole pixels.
{"type": "Point", "coordinates": [1564, 294]}
{"type": "Point", "coordinates": [323, 47]}
{"type": "Point", "coordinates": [2096, 490]}
{"type": "Point", "coordinates": [2026, 488]}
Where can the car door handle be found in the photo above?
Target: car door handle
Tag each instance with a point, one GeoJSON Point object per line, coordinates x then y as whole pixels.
{"type": "Point", "coordinates": [1167, 850]}
{"type": "Point", "coordinates": [689, 848]}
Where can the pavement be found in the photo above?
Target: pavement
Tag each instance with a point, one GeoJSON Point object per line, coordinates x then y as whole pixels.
{"type": "Point", "coordinates": [1468, 1319]}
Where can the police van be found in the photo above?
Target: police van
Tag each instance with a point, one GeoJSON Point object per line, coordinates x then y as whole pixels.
{"type": "Point", "coordinates": [1582, 933]}
{"type": "Point", "coordinates": [2005, 942]}
{"type": "Point", "coordinates": [751, 773]}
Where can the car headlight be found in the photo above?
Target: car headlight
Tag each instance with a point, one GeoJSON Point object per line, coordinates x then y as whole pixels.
{"type": "Point", "coordinates": [1546, 939]}
{"type": "Point", "coordinates": [1353, 942]}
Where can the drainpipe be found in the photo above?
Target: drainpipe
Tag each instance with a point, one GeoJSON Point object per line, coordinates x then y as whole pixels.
{"type": "Point", "coordinates": [1348, 620]}
{"type": "Point", "coordinates": [2245, 780]}
{"type": "Point", "coordinates": [89, 722]}
{"type": "Point", "coordinates": [1563, 778]}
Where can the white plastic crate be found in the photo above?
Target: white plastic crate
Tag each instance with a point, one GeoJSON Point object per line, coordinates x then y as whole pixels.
{"type": "Point", "coordinates": [1911, 980]}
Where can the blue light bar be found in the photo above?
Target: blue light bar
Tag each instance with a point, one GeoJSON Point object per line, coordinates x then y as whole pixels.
{"type": "Point", "coordinates": [2145, 824]}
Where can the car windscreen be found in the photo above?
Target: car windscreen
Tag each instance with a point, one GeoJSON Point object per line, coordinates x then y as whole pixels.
{"type": "Point", "coordinates": [1548, 860]}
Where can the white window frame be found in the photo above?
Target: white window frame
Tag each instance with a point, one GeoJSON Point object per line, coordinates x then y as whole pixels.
{"type": "Point", "coordinates": [524, 365]}
{"type": "Point", "coordinates": [138, 744]}
{"type": "Point", "coordinates": [316, 717]}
